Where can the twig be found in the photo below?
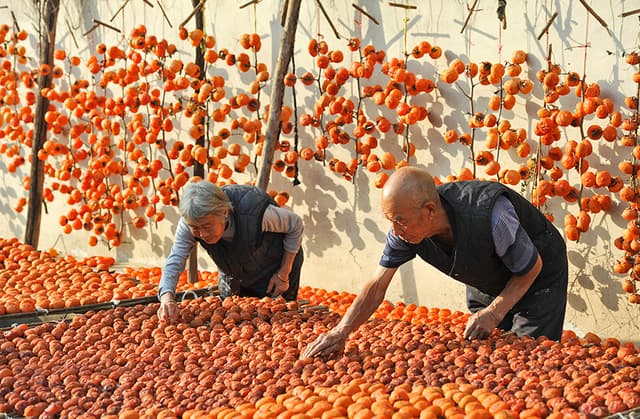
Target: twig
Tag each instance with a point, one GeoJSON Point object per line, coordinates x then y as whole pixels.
{"type": "Point", "coordinates": [93, 28]}
{"type": "Point", "coordinates": [193, 12]}
{"type": "Point", "coordinates": [15, 21]}
{"type": "Point", "coordinates": [164, 14]}
{"type": "Point", "coordinates": [403, 6]}
{"type": "Point", "coordinates": [148, 3]}
{"type": "Point", "coordinates": [249, 3]}
{"type": "Point", "coordinates": [630, 12]}
{"type": "Point", "coordinates": [546, 27]}
{"type": "Point", "coordinates": [75, 41]}
{"type": "Point", "coordinates": [324, 12]}
{"type": "Point", "coordinates": [593, 13]}
{"type": "Point", "coordinates": [4, 7]}
{"type": "Point", "coordinates": [99, 22]}
{"type": "Point", "coordinates": [119, 10]}
{"type": "Point", "coordinates": [361, 10]}
{"type": "Point", "coordinates": [471, 10]}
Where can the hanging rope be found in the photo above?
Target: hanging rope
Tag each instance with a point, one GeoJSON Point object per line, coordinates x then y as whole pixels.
{"type": "Point", "coordinates": [318, 11]}
{"type": "Point", "coordinates": [255, 17]}
{"type": "Point", "coordinates": [586, 45]}
{"type": "Point", "coordinates": [404, 34]}
{"type": "Point", "coordinates": [358, 22]}
{"type": "Point", "coordinates": [502, 18]}
{"type": "Point", "coordinates": [499, 43]}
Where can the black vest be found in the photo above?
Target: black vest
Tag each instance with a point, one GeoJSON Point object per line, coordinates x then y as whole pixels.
{"type": "Point", "coordinates": [252, 255]}
{"type": "Point", "coordinates": [473, 260]}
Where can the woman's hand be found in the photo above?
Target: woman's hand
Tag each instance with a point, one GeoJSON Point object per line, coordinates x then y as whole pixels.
{"type": "Point", "coordinates": [278, 284]}
{"type": "Point", "coordinates": [168, 310]}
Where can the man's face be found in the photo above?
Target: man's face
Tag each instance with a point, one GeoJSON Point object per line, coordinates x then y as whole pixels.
{"type": "Point", "coordinates": [411, 223]}
{"type": "Point", "coordinates": [208, 228]}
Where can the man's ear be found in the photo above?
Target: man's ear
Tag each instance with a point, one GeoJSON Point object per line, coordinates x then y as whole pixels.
{"type": "Point", "coordinates": [430, 206]}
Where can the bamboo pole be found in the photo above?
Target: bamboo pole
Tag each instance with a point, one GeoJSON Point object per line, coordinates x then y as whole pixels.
{"type": "Point", "coordinates": [164, 13]}
{"type": "Point", "coordinates": [48, 22]}
{"type": "Point", "coordinates": [326, 16]}
{"type": "Point", "coordinates": [546, 27]}
{"type": "Point", "coordinates": [198, 169]}
{"type": "Point", "coordinates": [630, 13]}
{"type": "Point", "coordinates": [119, 10]}
{"type": "Point", "coordinates": [364, 12]}
{"type": "Point", "coordinates": [198, 6]}
{"type": "Point", "coordinates": [471, 10]}
{"type": "Point", "coordinates": [403, 6]}
{"type": "Point", "coordinates": [277, 92]}
{"type": "Point", "coordinates": [594, 14]}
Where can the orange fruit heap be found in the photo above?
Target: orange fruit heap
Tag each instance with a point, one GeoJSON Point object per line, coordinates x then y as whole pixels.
{"type": "Point", "coordinates": [241, 358]}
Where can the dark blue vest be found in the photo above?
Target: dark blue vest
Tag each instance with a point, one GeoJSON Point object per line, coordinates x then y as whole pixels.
{"type": "Point", "coordinates": [473, 260]}
{"type": "Point", "coordinates": [252, 255]}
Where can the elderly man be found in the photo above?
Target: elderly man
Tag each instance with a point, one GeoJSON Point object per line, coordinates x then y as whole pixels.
{"type": "Point", "coordinates": [254, 243]}
{"type": "Point", "coordinates": [481, 233]}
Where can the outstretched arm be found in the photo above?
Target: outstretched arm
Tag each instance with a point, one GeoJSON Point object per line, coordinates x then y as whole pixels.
{"type": "Point", "coordinates": [481, 324]}
{"type": "Point", "coordinates": [358, 313]}
{"type": "Point", "coordinates": [283, 220]}
{"type": "Point", "coordinates": [173, 267]}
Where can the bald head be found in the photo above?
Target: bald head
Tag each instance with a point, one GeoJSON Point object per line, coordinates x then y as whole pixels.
{"type": "Point", "coordinates": [409, 186]}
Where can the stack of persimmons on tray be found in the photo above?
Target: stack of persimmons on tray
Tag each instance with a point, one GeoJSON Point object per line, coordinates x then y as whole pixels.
{"type": "Point", "coordinates": [241, 357]}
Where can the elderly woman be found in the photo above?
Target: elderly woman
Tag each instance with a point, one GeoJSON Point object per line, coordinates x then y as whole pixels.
{"type": "Point", "coordinates": [254, 243]}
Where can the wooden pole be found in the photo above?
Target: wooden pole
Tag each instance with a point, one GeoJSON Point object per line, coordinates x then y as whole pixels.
{"type": "Point", "coordinates": [198, 169]}
{"type": "Point", "coordinates": [48, 22]}
{"type": "Point", "coordinates": [277, 92]}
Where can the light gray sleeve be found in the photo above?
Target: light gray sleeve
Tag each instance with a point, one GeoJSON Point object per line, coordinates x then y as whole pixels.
{"type": "Point", "coordinates": [282, 220]}
{"type": "Point", "coordinates": [504, 224]}
{"type": "Point", "coordinates": [512, 242]}
{"type": "Point", "coordinates": [174, 265]}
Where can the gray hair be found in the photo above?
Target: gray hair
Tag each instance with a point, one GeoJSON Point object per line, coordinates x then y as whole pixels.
{"type": "Point", "coordinates": [203, 198]}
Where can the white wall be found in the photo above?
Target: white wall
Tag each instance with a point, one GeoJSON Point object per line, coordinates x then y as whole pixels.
{"type": "Point", "coordinates": [344, 229]}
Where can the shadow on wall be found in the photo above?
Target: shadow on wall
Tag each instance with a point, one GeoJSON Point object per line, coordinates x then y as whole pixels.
{"type": "Point", "coordinates": [8, 202]}
{"type": "Point", "coordinates": [159, 244]}
{"type": "Point", "coordinates": [592, 259]}
{"type": "Point", "coordinates": [321, 197]}
{"type": "Point", "coordinates": [592, 275]}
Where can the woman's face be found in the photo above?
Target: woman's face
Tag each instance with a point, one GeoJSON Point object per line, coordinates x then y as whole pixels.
{"type": "Point", "coordinates": [209, 228]}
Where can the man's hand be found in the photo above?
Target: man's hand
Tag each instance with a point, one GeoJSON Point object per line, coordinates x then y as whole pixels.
{"type": "Point", "coordinates": [481, 324]}
{"type": "Point", "coordinates": [357, 314]}
{"type": "Point", "coordinates": [168, 310]}
{"type": "Point", "coordinates": [278, 284]}
{"type": "Point", "coordinates": [325, 344]}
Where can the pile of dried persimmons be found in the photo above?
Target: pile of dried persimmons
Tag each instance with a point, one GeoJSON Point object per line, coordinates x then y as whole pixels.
{"type": "Point", "coordinates": [241, 358]}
